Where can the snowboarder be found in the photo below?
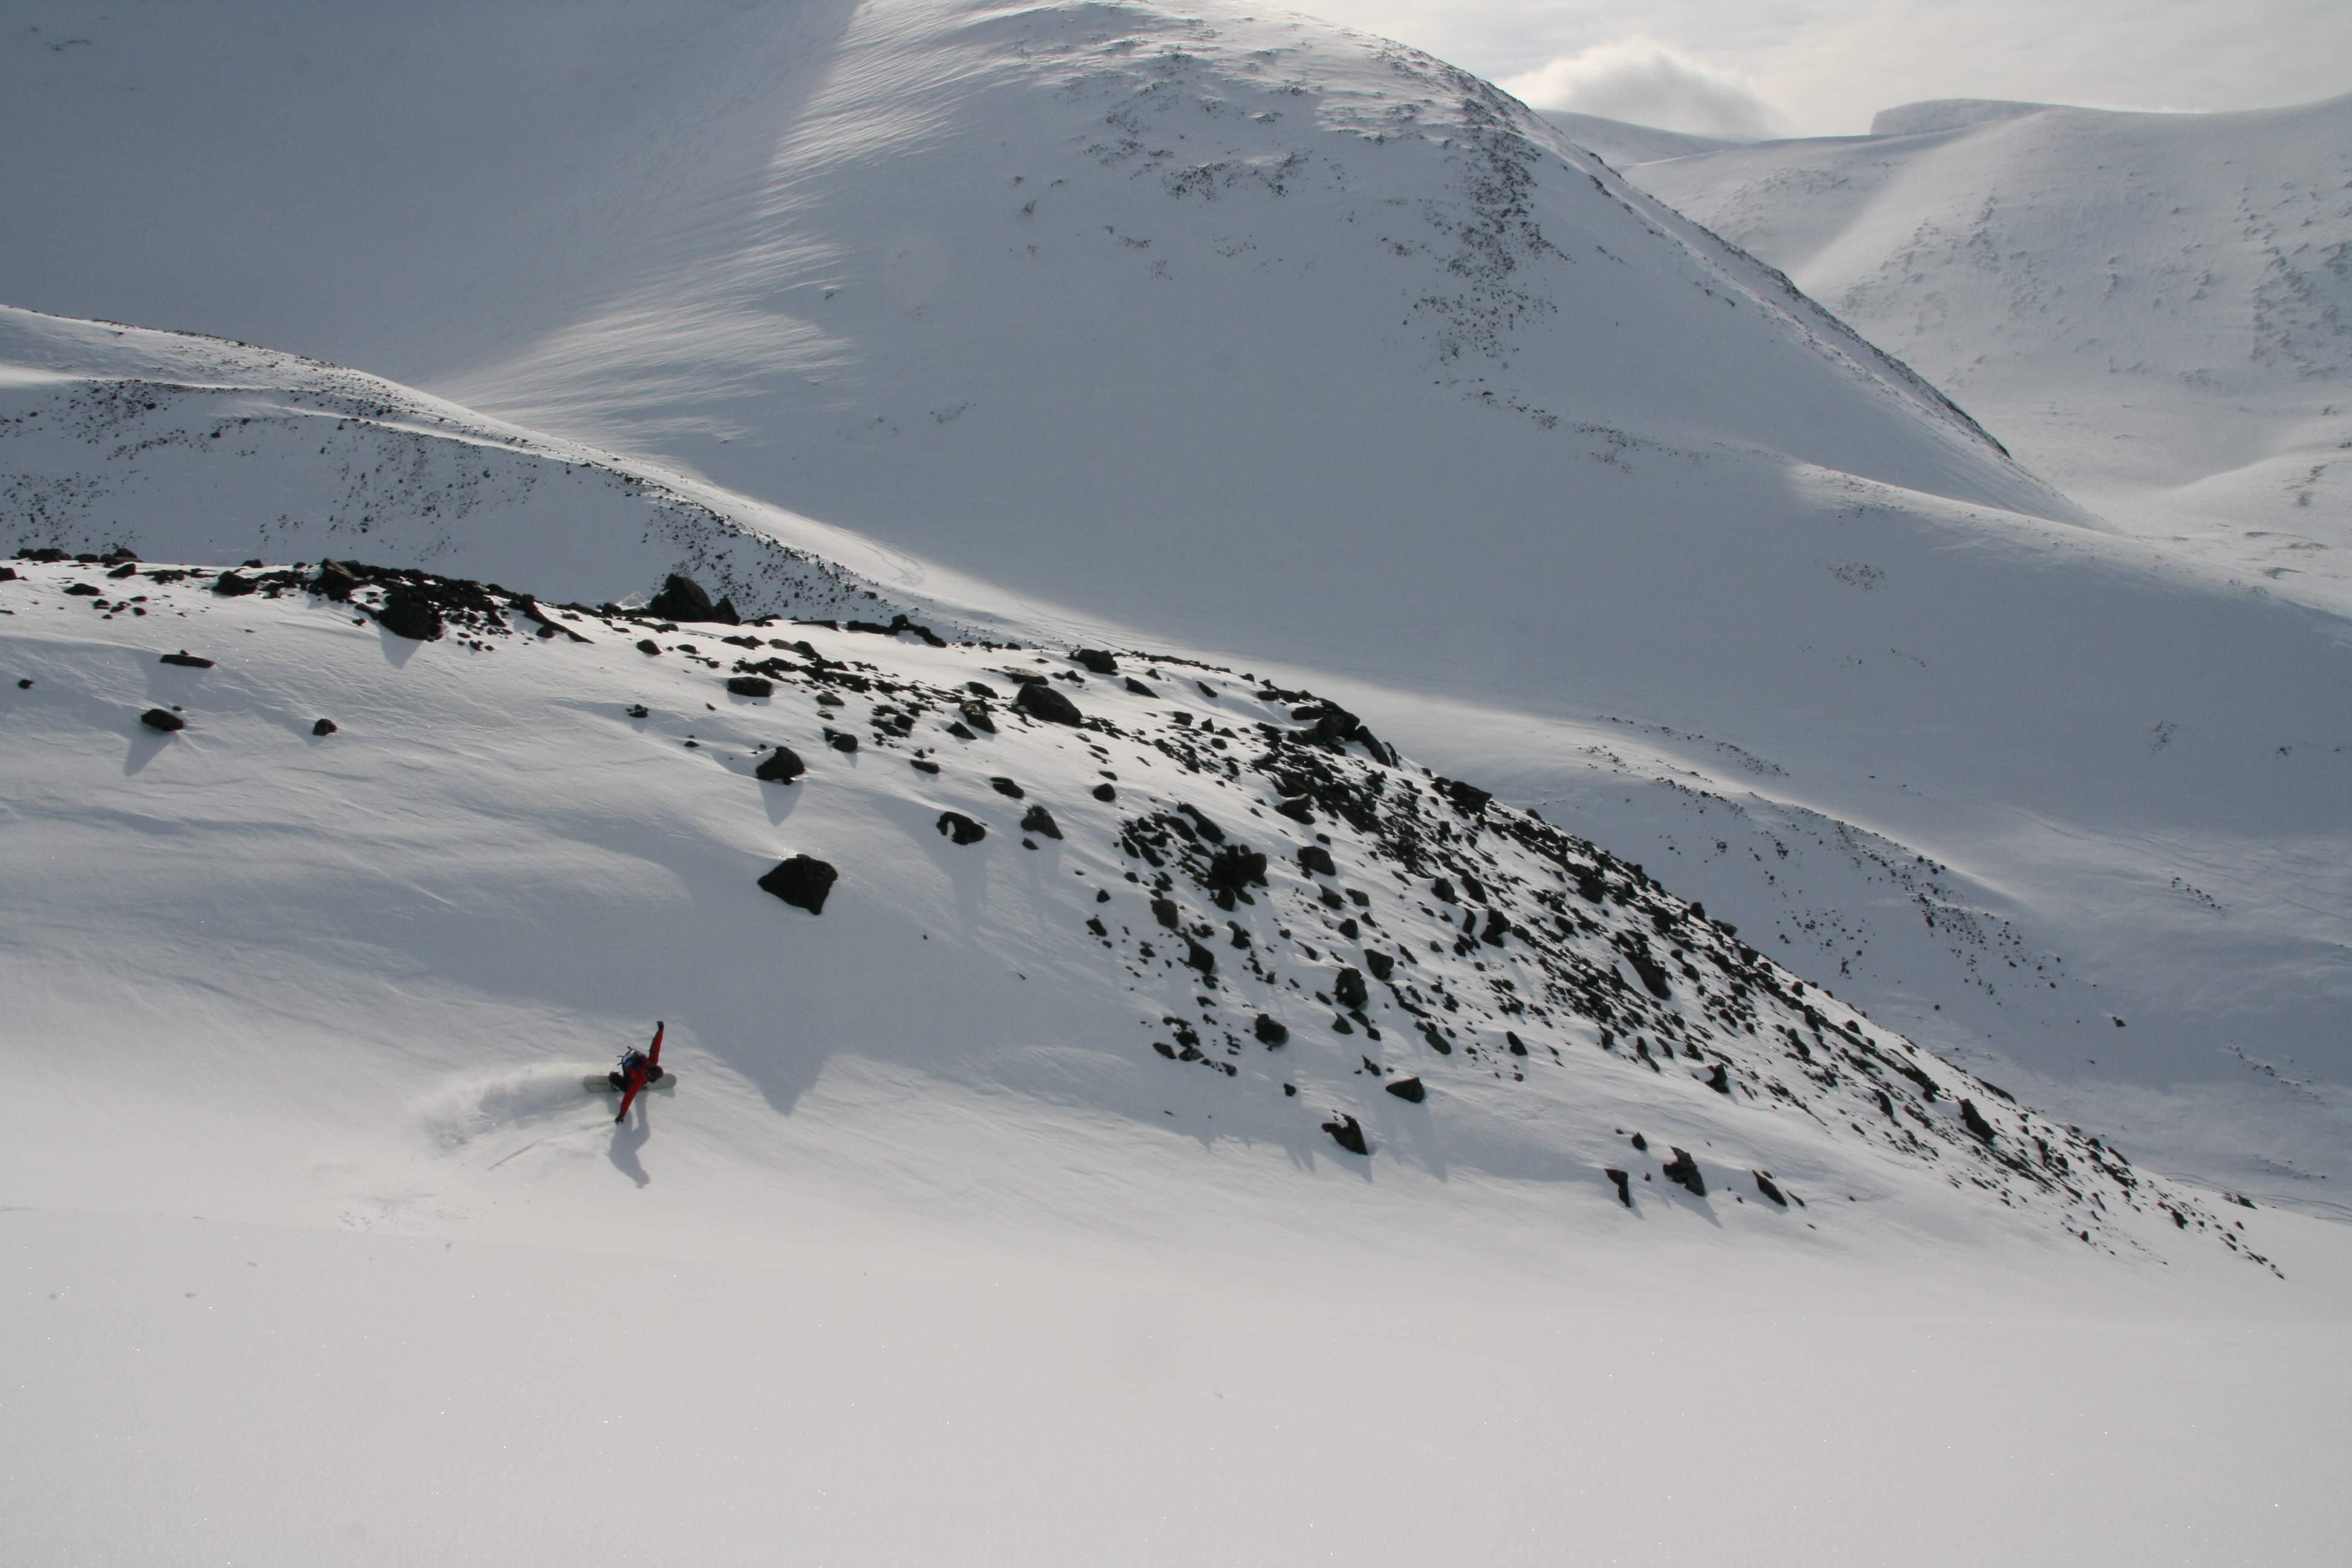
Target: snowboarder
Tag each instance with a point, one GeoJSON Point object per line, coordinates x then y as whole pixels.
{"type": "Point", "coordinates": [637, 1069]}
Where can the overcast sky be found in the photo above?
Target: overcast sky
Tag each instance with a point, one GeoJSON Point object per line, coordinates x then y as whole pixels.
{"type": "Point", "coordinates": [1822, 68]}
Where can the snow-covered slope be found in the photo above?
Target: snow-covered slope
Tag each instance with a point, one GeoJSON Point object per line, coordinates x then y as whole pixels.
{"type": "Point", "coordinates": [1620, 143]}
{"type": "Point", "coordinates": [2130, 798]}
{"type": "Point", "coordinates": [1327, 361]}
{"type": "Point", "coordinates": [2153, 311]}
{"type": "Point", "coordinates": [995, 1097]}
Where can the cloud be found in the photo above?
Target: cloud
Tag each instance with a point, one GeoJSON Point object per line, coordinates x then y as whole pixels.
{"type": "Point", "coordinates": [1647, 82]}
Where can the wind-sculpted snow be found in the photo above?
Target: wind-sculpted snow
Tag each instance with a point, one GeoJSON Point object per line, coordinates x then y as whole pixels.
{"type": "Point", "coordinates": [1231, 896]}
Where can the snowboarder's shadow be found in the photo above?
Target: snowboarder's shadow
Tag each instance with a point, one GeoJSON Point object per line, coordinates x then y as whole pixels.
{"type": "Point", "coordinates": [628, 1137]}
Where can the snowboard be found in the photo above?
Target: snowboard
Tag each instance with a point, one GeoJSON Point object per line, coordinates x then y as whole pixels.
{"type": "Point", "coordinates": [598, 1083]}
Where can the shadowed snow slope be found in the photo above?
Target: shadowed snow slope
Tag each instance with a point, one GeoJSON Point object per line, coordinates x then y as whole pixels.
{"type": "Point", "coordinates": [2154, 311]}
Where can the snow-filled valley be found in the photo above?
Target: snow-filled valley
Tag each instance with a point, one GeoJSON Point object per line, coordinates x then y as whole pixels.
{"type": "Point", "coordinates": [2153, 311]}
{"type": "Point", "coordinates": [1449, 879]}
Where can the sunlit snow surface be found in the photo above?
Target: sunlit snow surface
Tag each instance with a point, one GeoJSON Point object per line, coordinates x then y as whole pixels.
{"type": "Point", "coordinates": [1283, 350]}
{"type": "Point", "coordinates": [928, 1187]}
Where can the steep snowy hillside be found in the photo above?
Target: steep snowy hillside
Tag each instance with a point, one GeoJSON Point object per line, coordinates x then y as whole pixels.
{"type": "Point", "coordinates": [2131, 800]}
{"type": "Point", "coordinates": [1265, 894]}
{"type": "Point", "coordinates": [2153, 311]}
{"type": "Point", "coordinates": [1067, 1042]}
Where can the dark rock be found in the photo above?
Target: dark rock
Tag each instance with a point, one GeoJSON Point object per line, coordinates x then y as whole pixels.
{"type": "Point", "coordinates": [1468, 801]}
{"type": "Point", "coordinates": [1719, 1079]}
{"type": "Point", "coordinates": [922, 764]}
{"type": "Point", "coordinates": [1140, 689]}
{"type": "Point", "coordinates": [1474, 888]}
{"type": "Point", "coordinates": [781, 766]}
{"type": "Point", "coordinates": [1639, 1143]}
{"type": "Point", "coordinates": [1207, 829]}
{"type": "Point", "coordinates": [960, 733]}
{"type": "Point", "coordinates": [186, 660]}
{"type": "Point", "coordinates": [408, 614]}
{"type": "Point", "coordinates": [1199, 957]}
{"type": "Point", "coordinates": [333, 581]}
{"type": "Point", "coordinates": [1005, 787]}
{"type": "Point", "coordinates": [323, 727]}
{"type": "Point", "coordinates": [1513, 1041]}
{"type": "Point", "coordinates": [48, 553]}
{"type": "Point", "coordinates": [639, 710]}
{"type": "Point", "coordinates": [1973, 1120]}
{"type": "Point", "coordinates": [90, 591]}
{"type": "Point", "coordinates": [802, 882]}
{"type": "Point", "coordinates": [976, 715]}
{"type": "Point", "coordinates": [1497, 929]}
{"type": "Point", "coordinates": [1094, 924]}
{"type": "Point", "coordinates": [683, 599]}
{"type": "Point", "coordinates": [1380, 964]}
{"type": "Point", "coordinates": [1589, 887]}
{"type": "Point", "coordinates": [961, 828]}
{"type": "Point", "coordinates": [163, 719]}
{"type": "Point", "coordinates": [1348, 929]}
{"type": "Point", "coordinates": [1104, 791]}
{"type": "Point", "coordinates": [750, 686]}
{"type": "Point", "coordinates": [1765, 1184]}
{"type": "Point", "coordinates": [125, 570]}
{"type": "Point", "coordinates": [8, 574]}
{"type": "Point", "coordinates": [1408, 1088]}
{"type": "Point", "coordinates": [1271, 1031]}
{"type": "Point", "coordinates": [1348, 1134]}
{"type": "Point", "coordinates": [1313, 857]}
{"type": "Point", "coordinates": [840, 740]}
{"type": "Point", "coordinates": [1349, 988]}
{"type": "Point", "coordinates": [1682, 1168]}
{"type": "Point", "coordinates": [1437, 1041]}
{"type": "Point", "coordinates": [1164, 911]}
{"type": "Point", "coordinates": [648, 646]}
{"type": "Point", "coordinates": [1040, 701]}
{"type": "Point", "coordinates": [1097, 660]}
{"type": "Point", "coordinates": [1101, 896]}
{"type": "Point", "coordinates": [1653, 976]}
{"type": "Point", "coordinates": [1299, 809]}
{"type": "Point", "coordinates": [1443, 891]}
{"type": "Point", "coordinates": [1624, 1191]}
{"type": "Point", "coordinates": [1164, 1048]}
{"type": "Point", "coordinates": [229, 586]}
{"type": "Point", "coordinates": [1236, 867]}
{"type": "Point", "coordinates": [1040, 821]}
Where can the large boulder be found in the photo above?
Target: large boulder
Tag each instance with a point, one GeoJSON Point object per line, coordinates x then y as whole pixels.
{"type": "Point", "coordinates": [411, 615]}
{"type": "Point", "coordinates": [781, 766]}
{"type": "Point", "coordinates": [802, 882]}
{"type": "Point", "coordinates": [684, 599]}
{"type": "Point", "coordinates": [1040, 701]}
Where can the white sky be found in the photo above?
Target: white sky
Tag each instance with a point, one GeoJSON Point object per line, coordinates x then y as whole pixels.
{"type": "Point", "coordinates": [1819, 68]}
